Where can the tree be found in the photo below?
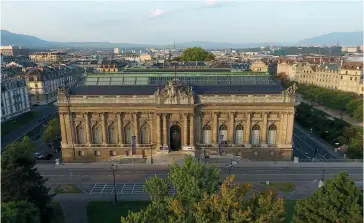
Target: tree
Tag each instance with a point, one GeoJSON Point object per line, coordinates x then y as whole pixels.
{"type": "Point", "coordinates": [196, 54]}
{"type": "Point", "coordinates": [339, 200]}
{"type": "Point", "coordinates": [20, 179]}
{"type": "Point", "coordinates": [19, 212]}
{"type": "Point", "coordinates": [52, 133]}
{"type": "Point", "coordinates": [198, 198]}
{"type": "Point", "coordinates": [233, 204]}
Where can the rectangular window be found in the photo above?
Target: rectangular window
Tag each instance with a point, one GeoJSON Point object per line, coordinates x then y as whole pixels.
{"type": "Point", "coordinates": [341, 77]}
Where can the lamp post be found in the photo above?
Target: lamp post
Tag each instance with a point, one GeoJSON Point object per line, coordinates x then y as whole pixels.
{"type": "Point", "coordinates": [151, 152]}
{"type": "Point", "coordinates": [230, 167]}
{"type": "Point", "coordinates": [323, 175]}
{"type": "Point", "coordinates": [113, 167]}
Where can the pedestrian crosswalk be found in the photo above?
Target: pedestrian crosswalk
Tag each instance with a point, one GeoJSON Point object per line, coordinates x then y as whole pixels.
{"type": "Point", "coordinates": [124, 189]}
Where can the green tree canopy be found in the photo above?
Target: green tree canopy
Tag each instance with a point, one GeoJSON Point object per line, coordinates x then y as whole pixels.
{"type": "Point", "coordinates": [19, 212]}
{"type": "Point", "coordinates": [339, 200]}
{"type": "Point", "coordinates": [200, 197]}
{"type": "Point", "coordinates": [196, 54]}
{"type": "Point", "coordinates": [52, 132]}
{"type": "Point", "coordinates": [20, 179]}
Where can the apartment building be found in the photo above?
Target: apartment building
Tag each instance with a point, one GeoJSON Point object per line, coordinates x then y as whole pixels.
{"type": "Point", "coordinates": [259, 66]}
{"type": "Point", "coordinates": [14, 98]}
{"type": "Point", "coordinates": [347, 77]}
{"type": "Point", "coordinates": [13, 51]}
{"type": "Point", "coordinates": [108, 68]}
{"type": "Point", "coordinates": [290, 69]}
{"type": "Point", "coordinates": [48, 57]}
{"type": "Point", "coordinates": [43, 81]}
{"type": "Point", "coordinates": [351, 77]}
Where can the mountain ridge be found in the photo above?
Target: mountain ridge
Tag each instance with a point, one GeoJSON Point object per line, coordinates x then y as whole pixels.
{"type": "Point", "coordinates": [344, 38]}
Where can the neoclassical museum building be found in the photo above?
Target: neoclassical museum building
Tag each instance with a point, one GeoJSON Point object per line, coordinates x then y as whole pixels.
{"type": "Point", "coordinates": [115, 117]}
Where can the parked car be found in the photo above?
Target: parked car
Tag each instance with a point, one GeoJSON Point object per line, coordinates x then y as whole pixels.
{"type": "Point", "coordinates": [35, 137]}
{"type": "Point", "coordinates": [48, 156]}
{"type": "Point", "coordinates": [38, 155]}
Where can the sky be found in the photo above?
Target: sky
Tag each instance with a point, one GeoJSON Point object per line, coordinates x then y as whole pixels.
{"type": "Point", "coordinates": [162, 22]}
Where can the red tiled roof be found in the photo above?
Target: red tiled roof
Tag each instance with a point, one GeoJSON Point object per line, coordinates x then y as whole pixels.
{"type": "Point", "coordinates": [352, 65]}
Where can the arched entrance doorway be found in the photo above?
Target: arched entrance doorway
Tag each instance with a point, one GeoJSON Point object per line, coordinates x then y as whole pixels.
{"type": "Point", "coordinates": [175, 137]}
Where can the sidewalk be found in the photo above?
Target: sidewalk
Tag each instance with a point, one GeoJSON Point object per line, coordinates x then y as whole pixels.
{"type": "Point", "coordinates": [288, 164]}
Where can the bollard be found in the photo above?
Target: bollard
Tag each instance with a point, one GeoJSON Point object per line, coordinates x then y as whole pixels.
{"type": "Point", "coordinates": [57, 161]}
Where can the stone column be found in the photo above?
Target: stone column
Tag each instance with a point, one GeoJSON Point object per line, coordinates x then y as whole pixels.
{"type": "Point", "coordinates": [284, 128]}
{"type": "Point", "coordinates": [290, 122]}
{"type": "Point", "coordinates": [158, 135]}
{"type": "Point", "coordinates": [248, 128]}
{"type": "Point", "coordinates": [104, 131]}
{"type": "Point", "coordinates": [264, 128]}
{"type": "Point", "coordinates": [280, 128]}
{"type": "Point", "coordinates": [88, 132]}
{"type": "Point", "coordinates": [192, 130]}
{"type": "Point", "coordinates": [70, 129]}
{"type": "Point", "coordinates": [63, 128]}
{"type": "Point", "coordinates": [120, 129]}
{"type": "Point", "coordinates": [136, 128]}
{"type": "Point", "coordinates": [214, 129]}
{"type": "Point", "coordinates": [165, 128]}
{"type": "Point", "coordinates": [231, 128]}
{"type": "Point", "coordinates": [185, 130]}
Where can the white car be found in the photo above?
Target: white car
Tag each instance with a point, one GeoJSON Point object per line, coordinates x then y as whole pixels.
{"type": "Point", "coordinates": [38, 155]}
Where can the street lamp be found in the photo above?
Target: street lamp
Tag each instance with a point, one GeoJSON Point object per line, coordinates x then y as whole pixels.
{"type": "Point", "coordinates": [323, 175]}
{"type": "Point", "coordinates": [151, 152]}
{"type": "Point", "coordinates": [230, 167]}
{"type": "Point", "coordinates": [113, 167]}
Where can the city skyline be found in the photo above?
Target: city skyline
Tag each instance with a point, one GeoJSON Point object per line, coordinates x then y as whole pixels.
{"type": "Point", "coordinates": [162, 22]}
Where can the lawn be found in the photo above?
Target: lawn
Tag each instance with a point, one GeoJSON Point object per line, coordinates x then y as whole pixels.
{"type": "Point", "coordinates": [107, 212]}
{"type": "Point", "coordinates": [289, 209]}
{"type": "Point", "coordinates": [67, 189]}
{"type": "Point", "coordinates": [281, 186]}
{"type": "Point", "coordinates": [17, 122]}
{"type": "Point", "coordinates": [58, 216]}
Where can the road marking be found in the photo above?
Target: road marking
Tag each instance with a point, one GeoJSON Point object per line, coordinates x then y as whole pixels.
{"type": "Point", "coordinates": [103, 189]}
{"type": "Point", "coordinates": [309, 146]}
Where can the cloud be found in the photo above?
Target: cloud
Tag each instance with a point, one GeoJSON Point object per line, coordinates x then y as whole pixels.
{"type": "Point", "coordinates": [157, 12]}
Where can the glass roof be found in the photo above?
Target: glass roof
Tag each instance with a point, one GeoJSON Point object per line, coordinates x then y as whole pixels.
{"type": "Point", "coordinates": [187, 80]}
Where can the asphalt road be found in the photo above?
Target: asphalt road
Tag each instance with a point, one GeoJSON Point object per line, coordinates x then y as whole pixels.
{"type": "Point", "coordinates": [43, 112]}
{"type": "Point", "coordinates": [305, 145]}
{"type": "Point", "coordinates": [140, 174]}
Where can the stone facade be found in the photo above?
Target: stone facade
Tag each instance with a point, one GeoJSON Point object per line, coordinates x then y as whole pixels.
{"type": "Point", "coordinates": [101, 127]}
{"type": "Point", "coordinates": [348, 77]}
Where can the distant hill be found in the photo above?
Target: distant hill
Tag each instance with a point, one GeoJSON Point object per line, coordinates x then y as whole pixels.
{"type": "Point", "coordinates": [9, 38]}
{"type": "Point", "coordinates": [343, 38]}
{"type": "Point", "coordinates": [220, 45]}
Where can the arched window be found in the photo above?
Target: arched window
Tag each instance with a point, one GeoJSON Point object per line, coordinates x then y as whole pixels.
{"type": "Point", "coordinates": [128, 133]}
{"type": "Point", "coordinates": [144, 134]}
{"type": "Point", "coordinates": [223, 132]}
{"type": "Point", "coordinates": [239, 135]}
{"type": "Point", "coordinates": [207, 135]}
{"type": "Point", "coordinates": [96, 134]}
{"type": "Point", "coordinates": [272, 134]}
{"type": "Point", "coordinates": [255, 135]}
{"type": "Point", "coordinates": [80, 133]}
{"type": "Point", "coordinates": [112, 135]}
